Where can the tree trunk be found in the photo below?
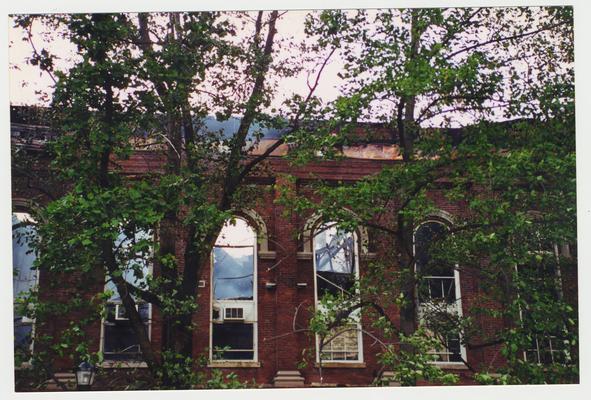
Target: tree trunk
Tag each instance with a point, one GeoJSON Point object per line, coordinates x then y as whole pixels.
{"type": "Point", "coordinates": [407, 132]}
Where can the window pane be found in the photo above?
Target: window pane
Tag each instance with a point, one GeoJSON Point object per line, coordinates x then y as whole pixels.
{"type": "Point", "coordinates": [539, 276]}
{"type": "Point", "coordinates": [238, 233]}
{"type": "Point", "coordinates": [24, 277]}
{"type": "Point", "coordinates": [343, 346]}
{"type": "Point", "coordinates": [437, 289]}
{"type": "Point", "coordinates": [453, 346]}
{"type": "Point", "coordinates": [233, 341]}
{"type": "Point", "coordinates": [137, 268]}
{"type": "Point", "coordinates": [233, 262]}
{"type": "Point", "coordinates": [335, 260]}
{"type": "Point", "coordinates": [22, 334]}
{"type": "Point", "coordinates": [120, 338]}
{"type": "Point", "coordinates": [425, 236]}
{"type": "Point", "coordinates": [233, 273]}
{"type": "Point", "coordinates": [120, 341]}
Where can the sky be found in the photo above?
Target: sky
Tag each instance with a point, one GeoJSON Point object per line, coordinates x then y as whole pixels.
{"type": "Point", "coordinates": [27, 85]}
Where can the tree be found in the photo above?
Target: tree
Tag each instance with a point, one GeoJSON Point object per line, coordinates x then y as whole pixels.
{"type": "Point", "coordinates": [149, 80]}
{"type": "Point", "coordinates": [481, 104]}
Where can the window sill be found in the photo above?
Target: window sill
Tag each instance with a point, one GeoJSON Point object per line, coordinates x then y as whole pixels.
{"type": "Point", "coordinates": [304, 255]}
{"type": "Point", "coordinates": [234, 364]}
{"type": "Point", "coordinates": [336, 364]}
{"type": "Point", "coordinates": [368, 256]}
{"type": "Point", "coordinates": [450, 365]}
{"type": "Point", "coordinates": [123, 364]}
{"type": "Point", "coordinates": [267, 255]}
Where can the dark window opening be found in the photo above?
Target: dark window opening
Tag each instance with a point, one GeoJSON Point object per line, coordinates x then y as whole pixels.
{"type": "Point", "coordinates": [438, 278]}
{"type": "Point", "coordinates": [233, 341]}
{"type": "Point", "coordinates": [120, 341]}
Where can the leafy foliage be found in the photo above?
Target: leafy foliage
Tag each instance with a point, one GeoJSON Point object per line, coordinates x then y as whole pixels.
{"type": "Point", "coordinates": [146, 81]}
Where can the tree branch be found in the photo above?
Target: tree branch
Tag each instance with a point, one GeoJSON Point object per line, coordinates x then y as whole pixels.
{"type": "Point", "coordinates": [504, 38]}
{"type": "Point", "coordinates": [295, 123]}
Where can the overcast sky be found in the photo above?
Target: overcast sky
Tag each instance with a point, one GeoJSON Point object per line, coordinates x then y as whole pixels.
{"type": "Point", "coordinates": [27, 85]}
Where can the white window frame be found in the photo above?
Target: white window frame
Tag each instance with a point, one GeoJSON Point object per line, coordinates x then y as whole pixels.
{"type": "Point", "coordinates": [355, 314]}
{"type": "Point", "coordinates": [456, 307]}
{"type": "Point", "coordinates": [222, 304]}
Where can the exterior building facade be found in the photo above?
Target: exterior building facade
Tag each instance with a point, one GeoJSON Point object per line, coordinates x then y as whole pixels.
{"type": "Point", "coordinates": [267, 272]}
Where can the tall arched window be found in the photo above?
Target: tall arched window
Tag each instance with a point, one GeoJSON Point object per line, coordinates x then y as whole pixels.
{"type": "Point", "coordinates": [233, 293]}
{"type": "Point", "coordinates": [439, 288]}
{"type": "Point", "coordinates": [336, 267]}
{"type": "Point", "coordinates": [119, 341]}
{"type": "Point", "coordinates": [24, 277]}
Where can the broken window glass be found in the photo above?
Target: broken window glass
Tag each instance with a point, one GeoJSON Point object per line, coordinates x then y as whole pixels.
{"type": "Point", "coordinates": [336, 273]}
{"type": "Point", "coordinates": [335, 260]}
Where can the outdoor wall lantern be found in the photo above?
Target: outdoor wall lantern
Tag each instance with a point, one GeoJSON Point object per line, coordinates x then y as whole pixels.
{"type": "Point", "coordinates": [84, 375]}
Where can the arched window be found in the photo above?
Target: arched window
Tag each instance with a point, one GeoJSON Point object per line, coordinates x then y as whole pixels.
{"type": "Point", "coordinates": [233, 293]}
{"type": "Point", "coordinates": [439, 288]}
{"type": "Point", "coordinates": [119, 341]}
{"type": "Point", "coordinates": [24, 277]}
{"type": "Point", "coordinates": [336, 267]}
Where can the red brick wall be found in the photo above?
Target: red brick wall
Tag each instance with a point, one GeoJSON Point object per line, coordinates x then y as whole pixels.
{"type": "Point", "coordinates": [278, 347]}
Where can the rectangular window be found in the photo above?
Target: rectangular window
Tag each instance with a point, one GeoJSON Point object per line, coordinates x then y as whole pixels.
{"type": "Point", "coordinates": [233, 341]}
{"type": "Point", "coordinates": [120, 341]}
{"type": "Point", "coordinates": [545, 350]}
{"type": "Point", "coordinates": [541, 277]}
{"type": "Point", "coordinates": [342, 344]}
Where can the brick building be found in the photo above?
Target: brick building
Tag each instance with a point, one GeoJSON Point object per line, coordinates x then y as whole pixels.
{"type": "Point", "coordinates": [268, 270]}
